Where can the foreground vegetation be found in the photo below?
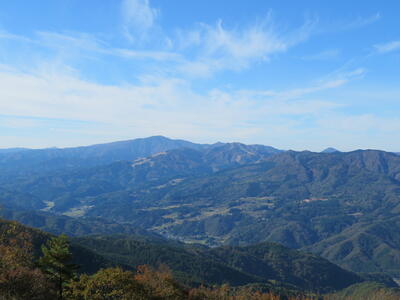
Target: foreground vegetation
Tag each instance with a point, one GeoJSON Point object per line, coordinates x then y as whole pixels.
{"type": "Point", "coordinates": [27, 272]}
{"type": "Point", "coordinates": [54, 277]}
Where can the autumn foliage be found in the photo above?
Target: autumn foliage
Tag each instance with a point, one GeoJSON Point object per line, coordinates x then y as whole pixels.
{"type": "Point", "coordinates": [52, 276]}
{"type": "Point", "coordinates": [19, 277]}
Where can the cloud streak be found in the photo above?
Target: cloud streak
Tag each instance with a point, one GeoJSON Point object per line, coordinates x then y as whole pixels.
{"type": "Point", "coordinates": [218, 48]}
{"type": "Point", "coordinates": [164, 106]}
{"type": "Point", "coordinates": [360, 22]}
{"type": "Point", "coordinates": [388, 47]}
{"type": "Point", "coordinates": [323, 55]}
{"type": "Point", "coordinates": [200, 52]}
{"type": "Point", "coordinates": [138, 19]}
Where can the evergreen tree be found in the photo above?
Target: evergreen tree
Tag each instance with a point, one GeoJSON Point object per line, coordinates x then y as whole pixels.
{"type": "Point", "coordinates": [55, 262]}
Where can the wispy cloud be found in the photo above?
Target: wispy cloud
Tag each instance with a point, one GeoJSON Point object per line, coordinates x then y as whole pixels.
{"type": "Point", "coordinates": [92, 44]}
{"type": "Point", "coordinates": [323, 55]}
{"type": "Point", "coordinates": [388, 47]}
{"type": "Point", "coordinates": [69, 40]}
{"type": "Point", "coordinates": [70, 47]}
{"type": "Point", "coordinates": [155, 55]}
{"type": "Point", "coordinates": [138, 19]}
{"type": "Point", "coordinates": [11, 122]}
{"type": "Point", "coordinates": [217, 47]}
{"type": "Point", "coordinates": [160, 95]}
{"type": "Point", "coordinates": [360, 22]}
{"type": "Point", "coordinates": [160, 106]}
{"type": "Point", "coordinates": [331, 81]}
{"type": "Point", "coordinates": [199, 52]}
{"type": "Point", "coordinates": [9, 36]}
{"type": "Point", "coordinates": [354, 23]}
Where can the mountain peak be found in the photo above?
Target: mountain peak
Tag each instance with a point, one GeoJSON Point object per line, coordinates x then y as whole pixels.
{"type": "Point", "coordinates": [330, 150]}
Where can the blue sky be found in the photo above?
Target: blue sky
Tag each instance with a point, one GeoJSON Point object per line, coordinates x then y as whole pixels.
{"type": "Point", "coordinates": [290, 74]}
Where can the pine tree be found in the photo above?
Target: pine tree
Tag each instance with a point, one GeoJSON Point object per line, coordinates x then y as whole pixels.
{"type": "Point", "coordinates": [55, 262]}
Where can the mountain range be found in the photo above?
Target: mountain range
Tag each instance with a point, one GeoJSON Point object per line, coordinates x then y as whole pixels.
{"type": "Point", "coordinates": [343, 206]}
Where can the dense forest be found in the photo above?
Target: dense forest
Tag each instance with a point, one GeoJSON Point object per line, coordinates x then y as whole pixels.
{"type": "Point", "coordinates": [37, 265]}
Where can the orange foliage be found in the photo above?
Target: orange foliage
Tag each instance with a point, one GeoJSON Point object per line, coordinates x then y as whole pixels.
{"type": "Point", "coordinates": [19, 279]}
{"type": "Point", "coordinates": [160, 283]}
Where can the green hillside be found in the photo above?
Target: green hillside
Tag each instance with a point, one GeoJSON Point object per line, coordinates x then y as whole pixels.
{"type": "Point", "coordinates": [364, 247]}
{"type": "Point", "coordinates": [269, 264]}
{"type": "Point", "coordinates": [366, 291]}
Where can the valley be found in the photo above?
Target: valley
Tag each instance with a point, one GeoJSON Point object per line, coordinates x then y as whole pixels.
{"type": "Point", "coordinates": [343, 206]}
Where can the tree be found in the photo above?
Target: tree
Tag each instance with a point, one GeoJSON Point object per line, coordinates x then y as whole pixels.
{"type": "Point", "coordinates": [55, 262]}
{"type": "Point", "coordinates": [19, 278]}
{"type": "Point", "coordinates": [160, 283]}
{"type": "Point", "coordinates": [108, 284]}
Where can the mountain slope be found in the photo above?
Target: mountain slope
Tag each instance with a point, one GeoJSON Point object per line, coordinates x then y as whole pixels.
{"type": "Point", "coordinates": [292, 198]}
{"type": "Point", "coordinates": [66, 190]}
{"type": "Point", "coordinates": [234, 265]}
{"type": "Point", "coordinates": [12, 150]}
{"type": "Point", "coordinates": [45, 160]}
{"type": "Point", "coordinates": [272, 261]}
{"type": "Point", "coordinates": [56, 224]}
{"type": "Point", "coordinates": [364, 247]}
{"type": "Point", "coordinates": [301, 197]}
{"type": "Point", "coordinates": [265, 262]}
{"type": "Point", "coordinates": [88, 260]}
{"type": "Point", "coordinates": [235, 194]}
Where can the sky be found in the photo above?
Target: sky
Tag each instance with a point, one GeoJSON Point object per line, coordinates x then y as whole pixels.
{"type": "Point", "coordinates": [289, 74]}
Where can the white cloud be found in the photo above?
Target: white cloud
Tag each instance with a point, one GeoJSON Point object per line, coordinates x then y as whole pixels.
{"type": "Point", "coordinates": [9, 36]}
{"type": "Point", "coordinates": [388, 47]}
{"type": "Point", "coordinates": [72, 43]}
{"type": "Point", "coordinates": [79, 112]}
{"type": "Point", "coordinates": [200, 52]}
{"type": "Point", "coordinates": [138, 18]}
{"type": "Point", "coordinates": [155, 55]}
{"type": "Point", "coordinates": [257, 41]}
{"type": "Point", "coordinates": [330, 82]}
{"type": "Point", "coordinates": [70, 40]}
{"type": "Point", "coordinates": [354, 23]}
{"type": "Point", "coordinates": [219, 48]}
{"type": "Point", "coordinates": [164, 103]}
{"type": "Point", "coordinates": [155, 106]}
{"type": "Point", "coordinates": [64, 49]}
{"type": "Point", "coordinates": [363, 21]}
{"type": "Point", "coordinates": [17, 123]}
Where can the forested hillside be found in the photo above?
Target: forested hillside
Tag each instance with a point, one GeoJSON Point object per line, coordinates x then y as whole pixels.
{"type": "Point", "coordinates": [343, 206]}
{"type": "Point", "coordinates": [263, 267]}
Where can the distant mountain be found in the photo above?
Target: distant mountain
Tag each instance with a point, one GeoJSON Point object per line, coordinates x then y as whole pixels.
{"type": "Point", "coordinates": [236, 154]}
{"type": "Point", "coordinates": [52, 159]}
{"type": "Point", "coordinates": [232, 194]}
{"type": "Point", "coordinates": [330, 150]}
{"type": "Point", "coordinates": [66, 191]}
{"type": "Point", "coordinates": [12, 150]}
